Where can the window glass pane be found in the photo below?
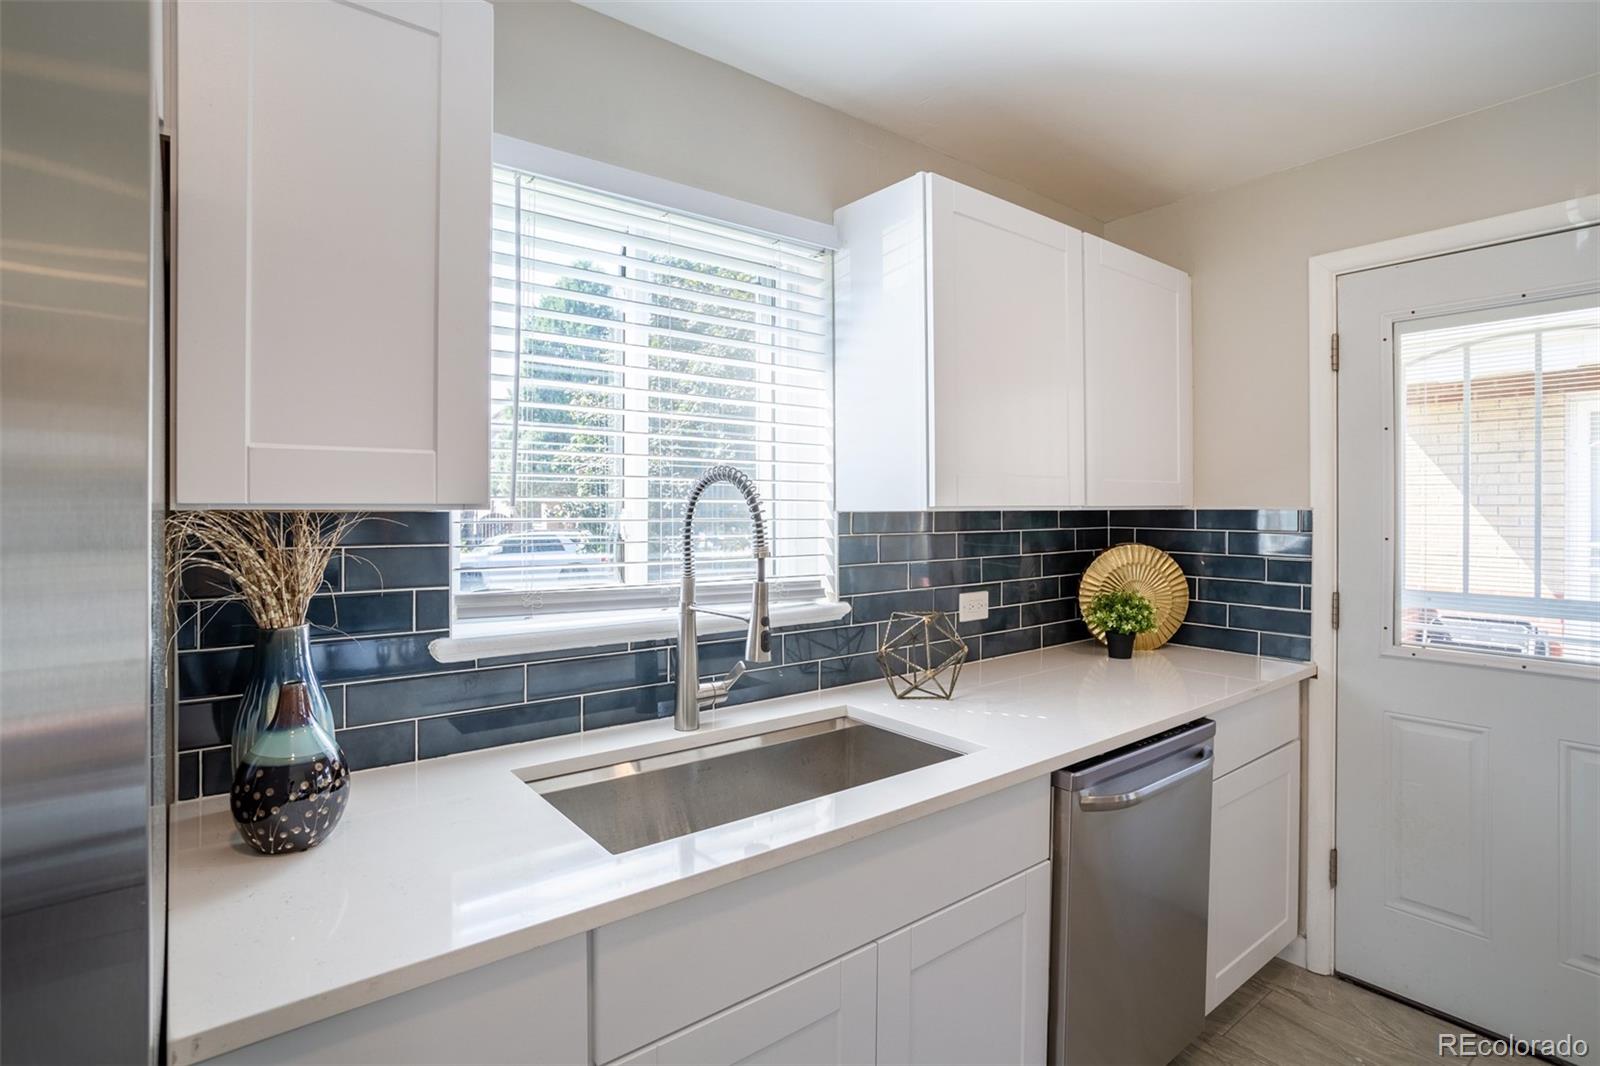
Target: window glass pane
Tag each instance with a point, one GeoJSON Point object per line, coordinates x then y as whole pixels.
{"type": "Point", "coordinates": [633, 348]}
{"type": "Point", "coordinates": [1497, 518]}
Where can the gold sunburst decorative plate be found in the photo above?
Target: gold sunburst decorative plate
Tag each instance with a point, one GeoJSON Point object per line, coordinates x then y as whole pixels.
{"type": "Point", "coordinates": [1148, 571]}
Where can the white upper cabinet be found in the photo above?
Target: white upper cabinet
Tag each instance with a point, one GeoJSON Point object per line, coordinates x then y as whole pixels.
{"type": "Point", "coordinates": [958, 343]}
{"type": "Point", "coordinates": [1139, 444]}
{"type": "Point", "coordinates": [988, 356]}
{"type": "Point", "coordinates": [332, 218]}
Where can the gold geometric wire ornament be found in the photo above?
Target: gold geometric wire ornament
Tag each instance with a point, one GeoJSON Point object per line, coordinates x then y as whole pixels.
{"type": "Point", "coordinates": [1151, 573]}
{"type": "Point", "coordinates": [921, 655]}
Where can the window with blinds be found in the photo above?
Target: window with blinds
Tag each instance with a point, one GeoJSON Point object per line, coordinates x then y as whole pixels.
{"type": "Point", "coordinates": [632, 349]}
{"type": "Point", "coordinates": [1499, 502]}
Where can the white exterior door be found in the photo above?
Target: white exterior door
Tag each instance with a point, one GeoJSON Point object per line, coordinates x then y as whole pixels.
{"type": "Point", "coordinates": [1468, 812]}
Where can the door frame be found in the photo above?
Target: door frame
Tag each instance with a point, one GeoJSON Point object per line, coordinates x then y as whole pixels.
{"type": "Point", "coordinates": [1316, 951]}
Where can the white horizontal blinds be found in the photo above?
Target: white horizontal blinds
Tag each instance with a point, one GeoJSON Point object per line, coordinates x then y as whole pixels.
{"type": "Point", "coordinates": [632, 349]}
{"type": "Point", "coordinates": [1500, 492]}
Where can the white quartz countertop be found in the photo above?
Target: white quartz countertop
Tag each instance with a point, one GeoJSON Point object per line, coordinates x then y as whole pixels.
{"type": "Point", "coordinates": [448, 864]}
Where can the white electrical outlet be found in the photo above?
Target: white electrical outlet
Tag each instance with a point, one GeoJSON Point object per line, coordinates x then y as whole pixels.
{"type": "Point", "coordinates": [974, 606]}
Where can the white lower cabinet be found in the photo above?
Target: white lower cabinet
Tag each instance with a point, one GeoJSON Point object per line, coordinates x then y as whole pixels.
{"type": "Point", "coordinates": [970, 983]}
{"type": "Point", "coordinates": [822, 1018]}
{"type": "Point", "coordinates": [1255, 868]}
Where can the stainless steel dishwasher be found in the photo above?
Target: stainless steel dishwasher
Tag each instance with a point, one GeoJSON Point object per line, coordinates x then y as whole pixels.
{"type": "Point", "coordinates": [1132, 874]}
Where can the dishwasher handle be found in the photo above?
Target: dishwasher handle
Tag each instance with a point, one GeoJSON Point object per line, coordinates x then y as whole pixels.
{"type": "Point", "coordinates": [1116, 801]}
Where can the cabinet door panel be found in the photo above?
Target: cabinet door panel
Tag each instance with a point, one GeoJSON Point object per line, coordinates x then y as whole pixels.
{"type": "Point", "coordinates": [1006, 352]}
{"type": "Point", "coordinates": [1136, 354]}
{"type": "Point", "coordinates": [1255, 869]}
{"type": "Point", "coordinates": [969, 984]}
{"type": "Point", "coordinates": [332, 251]}
{"type": "Point", "coordinates": [823, 1018]}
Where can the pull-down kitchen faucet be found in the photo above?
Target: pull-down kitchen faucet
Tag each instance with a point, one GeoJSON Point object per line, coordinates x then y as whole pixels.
{"type": "Point", "coordinates": [692, 692]}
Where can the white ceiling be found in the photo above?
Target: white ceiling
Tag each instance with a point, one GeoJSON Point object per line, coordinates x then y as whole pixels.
{"type": "Point", "coordinates": [1115, 107]}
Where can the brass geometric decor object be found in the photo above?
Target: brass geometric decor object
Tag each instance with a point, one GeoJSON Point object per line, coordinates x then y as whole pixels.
{"type": "Point", "coordinates": [1151, 573]}
{"type": "Point", "coordinates": [921, 655]}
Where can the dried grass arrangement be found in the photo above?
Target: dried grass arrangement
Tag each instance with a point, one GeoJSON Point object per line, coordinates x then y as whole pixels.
{"type": "Point", "coordinates": [275, 560]}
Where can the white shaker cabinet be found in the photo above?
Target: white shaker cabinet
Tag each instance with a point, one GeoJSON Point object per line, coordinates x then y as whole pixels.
{"type": "Point", "coordinates": [970, 984]}
{"type": "Point", "coordinates": [822, 1018]}
{"type": "Point", "coordinates": [332, 219]}
{"type": "Point", "coordinates": [1138, 440]}
{"type": "Point", "coordinates": [1255, 869]}
{"type": "Point", "coordinates": [958, 351]}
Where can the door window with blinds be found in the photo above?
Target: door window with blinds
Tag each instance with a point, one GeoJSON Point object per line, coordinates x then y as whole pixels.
{"type": "Point", "coordinates": [632, 349]}
{"type": "Point", "coordinates": [1498, 511]}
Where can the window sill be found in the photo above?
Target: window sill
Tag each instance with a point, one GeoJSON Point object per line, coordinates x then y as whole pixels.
{"type": "Point", "coordinates": [488, 640]}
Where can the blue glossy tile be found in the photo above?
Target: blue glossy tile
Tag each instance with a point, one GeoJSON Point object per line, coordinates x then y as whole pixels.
{"type": "Point", "coordinates": [1305, 521]}
{"type": "Point", "coordinates": [975, 544]}
{"type": "Point", "coordinates": [1297, 571]}
{"type": "Point", "coordinates": [1000, 619]}
{"type": "Point", "coordinates": [415, 697]}
{"type": "Point", "coordinates": [850, 670]}
{"type": "Point", "coordinates": [205, 674]}
{"type": "Point", "coordinates": [946, 572]}
{"type": "Point", "coordinates": [1238, 567]}
{"type": "Point", "coordinates": [1268, 544]}
{"type": "Point", "coordinates": [967, 521]}
{"type": "Point", "coordinates": [1094, 539]}
{"type": "Point", "coordinates": [372, 746]}
{"type": "Point", "coordinates": [1238, 640]}
{"type": "Point", "coordinates": [719, 656]}
{"type": "Point", "coordinates": [1035, 541]}
{"type": "Point", "coordinates": [1029, 519]}
{"type": "Point", "coordinates": [216, 771]}
{"type": "Point", "coordinates": [203, 583]}
{"type": "Point", "coordinates": [1207, 614]}
{"type": "Point", "coordinates": [1030, 589]}
{"type": "Point", "coordinates": [872, 577]}
{"type": "Point", "coordinates": [207, 723]}
{"type": "Point", "coordinates": [407, 527]}
{"type": "Point", "coordinates": [891, 522]}
{"type": "Point", "coordinates": [363, 614]}
{"type": "Point", "coordinates": [1250, 592]}
{"type": "Point", "coordinates": [1268, 620]}
{"type": "Point", "coordinates": [1186, 540]}
{"type": "Point", "coordinates": [1305, 597]}
{"type": "Point", "coordinates": [879, 607]}
{"type": "Point", "coordinates": [1234, 518]}
{"type": "Point", "coordinates": [1279, 646]}
{"type": "Point", "coordinates": [830, 643]}
{"type": "Point", "coordinates": [472, 730]}
{"type": "Point", "coordinates": [627, 706]}
{"type": "Point", "coordinates": [567, 653]}
{"type": "Point", "coordinates": [433, 609]}
{"type": "Point", "coordinates": [1067, 562]}
{"type": "Point", "coordinates": [188, 773]}
{"type": "Point", "coordinates": [771, 681]}
{"type": "Point", "coordinates": [1152, 518]}
{"type": "Point", "coordinates": [375, 657]}
{"type": "Point", "coordinates": [571, 677]}
{"type": "Point", "coordinates": [857, 550]}
{"type": "Point", "coordinates": [396, 568]}
{"type": "Point", "coordinates": [900, 547]}
{"type": "Point", "coordinates": [992, 645]}
{"type": "Point", "coordinates": [1081, 519]}
{"type": "Point", "coordinates": [1011, 567]}
{"type": "Point", "coordinates": [1068, 632]}
{"type": "Point", "coordinates": [1121, 535]}
{"type": "Point", "coordinates": [1046, 612]}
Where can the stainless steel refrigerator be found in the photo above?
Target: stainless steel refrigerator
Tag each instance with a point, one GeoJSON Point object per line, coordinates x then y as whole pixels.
{"type": "Point", "coordinates": [83, 781]}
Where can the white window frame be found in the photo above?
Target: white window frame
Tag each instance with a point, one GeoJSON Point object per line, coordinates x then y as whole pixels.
{"type": "Point", "coordinates": [654, 617]}
{"type": "Point", "coordinates": [1393, 576]}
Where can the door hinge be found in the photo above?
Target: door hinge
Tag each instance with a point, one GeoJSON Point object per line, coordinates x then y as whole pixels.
{"type": "Point", "coordinates": [1333, 352]}
{"type": "Point", "coordinates": [1336, 609]}
{"type": "Point", "coordinates": [1333, 867]}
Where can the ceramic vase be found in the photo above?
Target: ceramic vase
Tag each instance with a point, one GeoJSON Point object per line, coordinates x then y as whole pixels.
{"type": "Point", "coordinates": [282, 657]}
{"type": "Point", "coordinates": [292, 783]}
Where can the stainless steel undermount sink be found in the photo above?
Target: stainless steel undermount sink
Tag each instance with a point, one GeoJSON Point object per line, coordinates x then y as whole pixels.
{"type": "Point", "coordinates": [628, 805]}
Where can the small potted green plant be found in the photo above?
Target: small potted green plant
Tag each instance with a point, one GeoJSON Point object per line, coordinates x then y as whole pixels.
{"type": "Point", "coordinates": [1122, 614]}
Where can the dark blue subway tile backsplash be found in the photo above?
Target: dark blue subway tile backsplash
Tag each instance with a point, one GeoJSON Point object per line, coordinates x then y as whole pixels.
{"type": "Point", "coordinates": [388, 598]}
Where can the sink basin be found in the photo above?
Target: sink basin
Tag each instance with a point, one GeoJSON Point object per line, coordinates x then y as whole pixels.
{"type": "Point", "coordinates": [628, 805]}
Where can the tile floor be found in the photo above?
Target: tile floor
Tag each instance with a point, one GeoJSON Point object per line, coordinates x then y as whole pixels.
{"type": "Point", "coordinates": [1286, 1016]}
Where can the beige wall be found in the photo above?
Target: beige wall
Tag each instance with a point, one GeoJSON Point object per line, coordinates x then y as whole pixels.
{"type": "Point", "coordinates": [1247, 247]}
{"type": "Point", "coordinates": [572, 79]}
